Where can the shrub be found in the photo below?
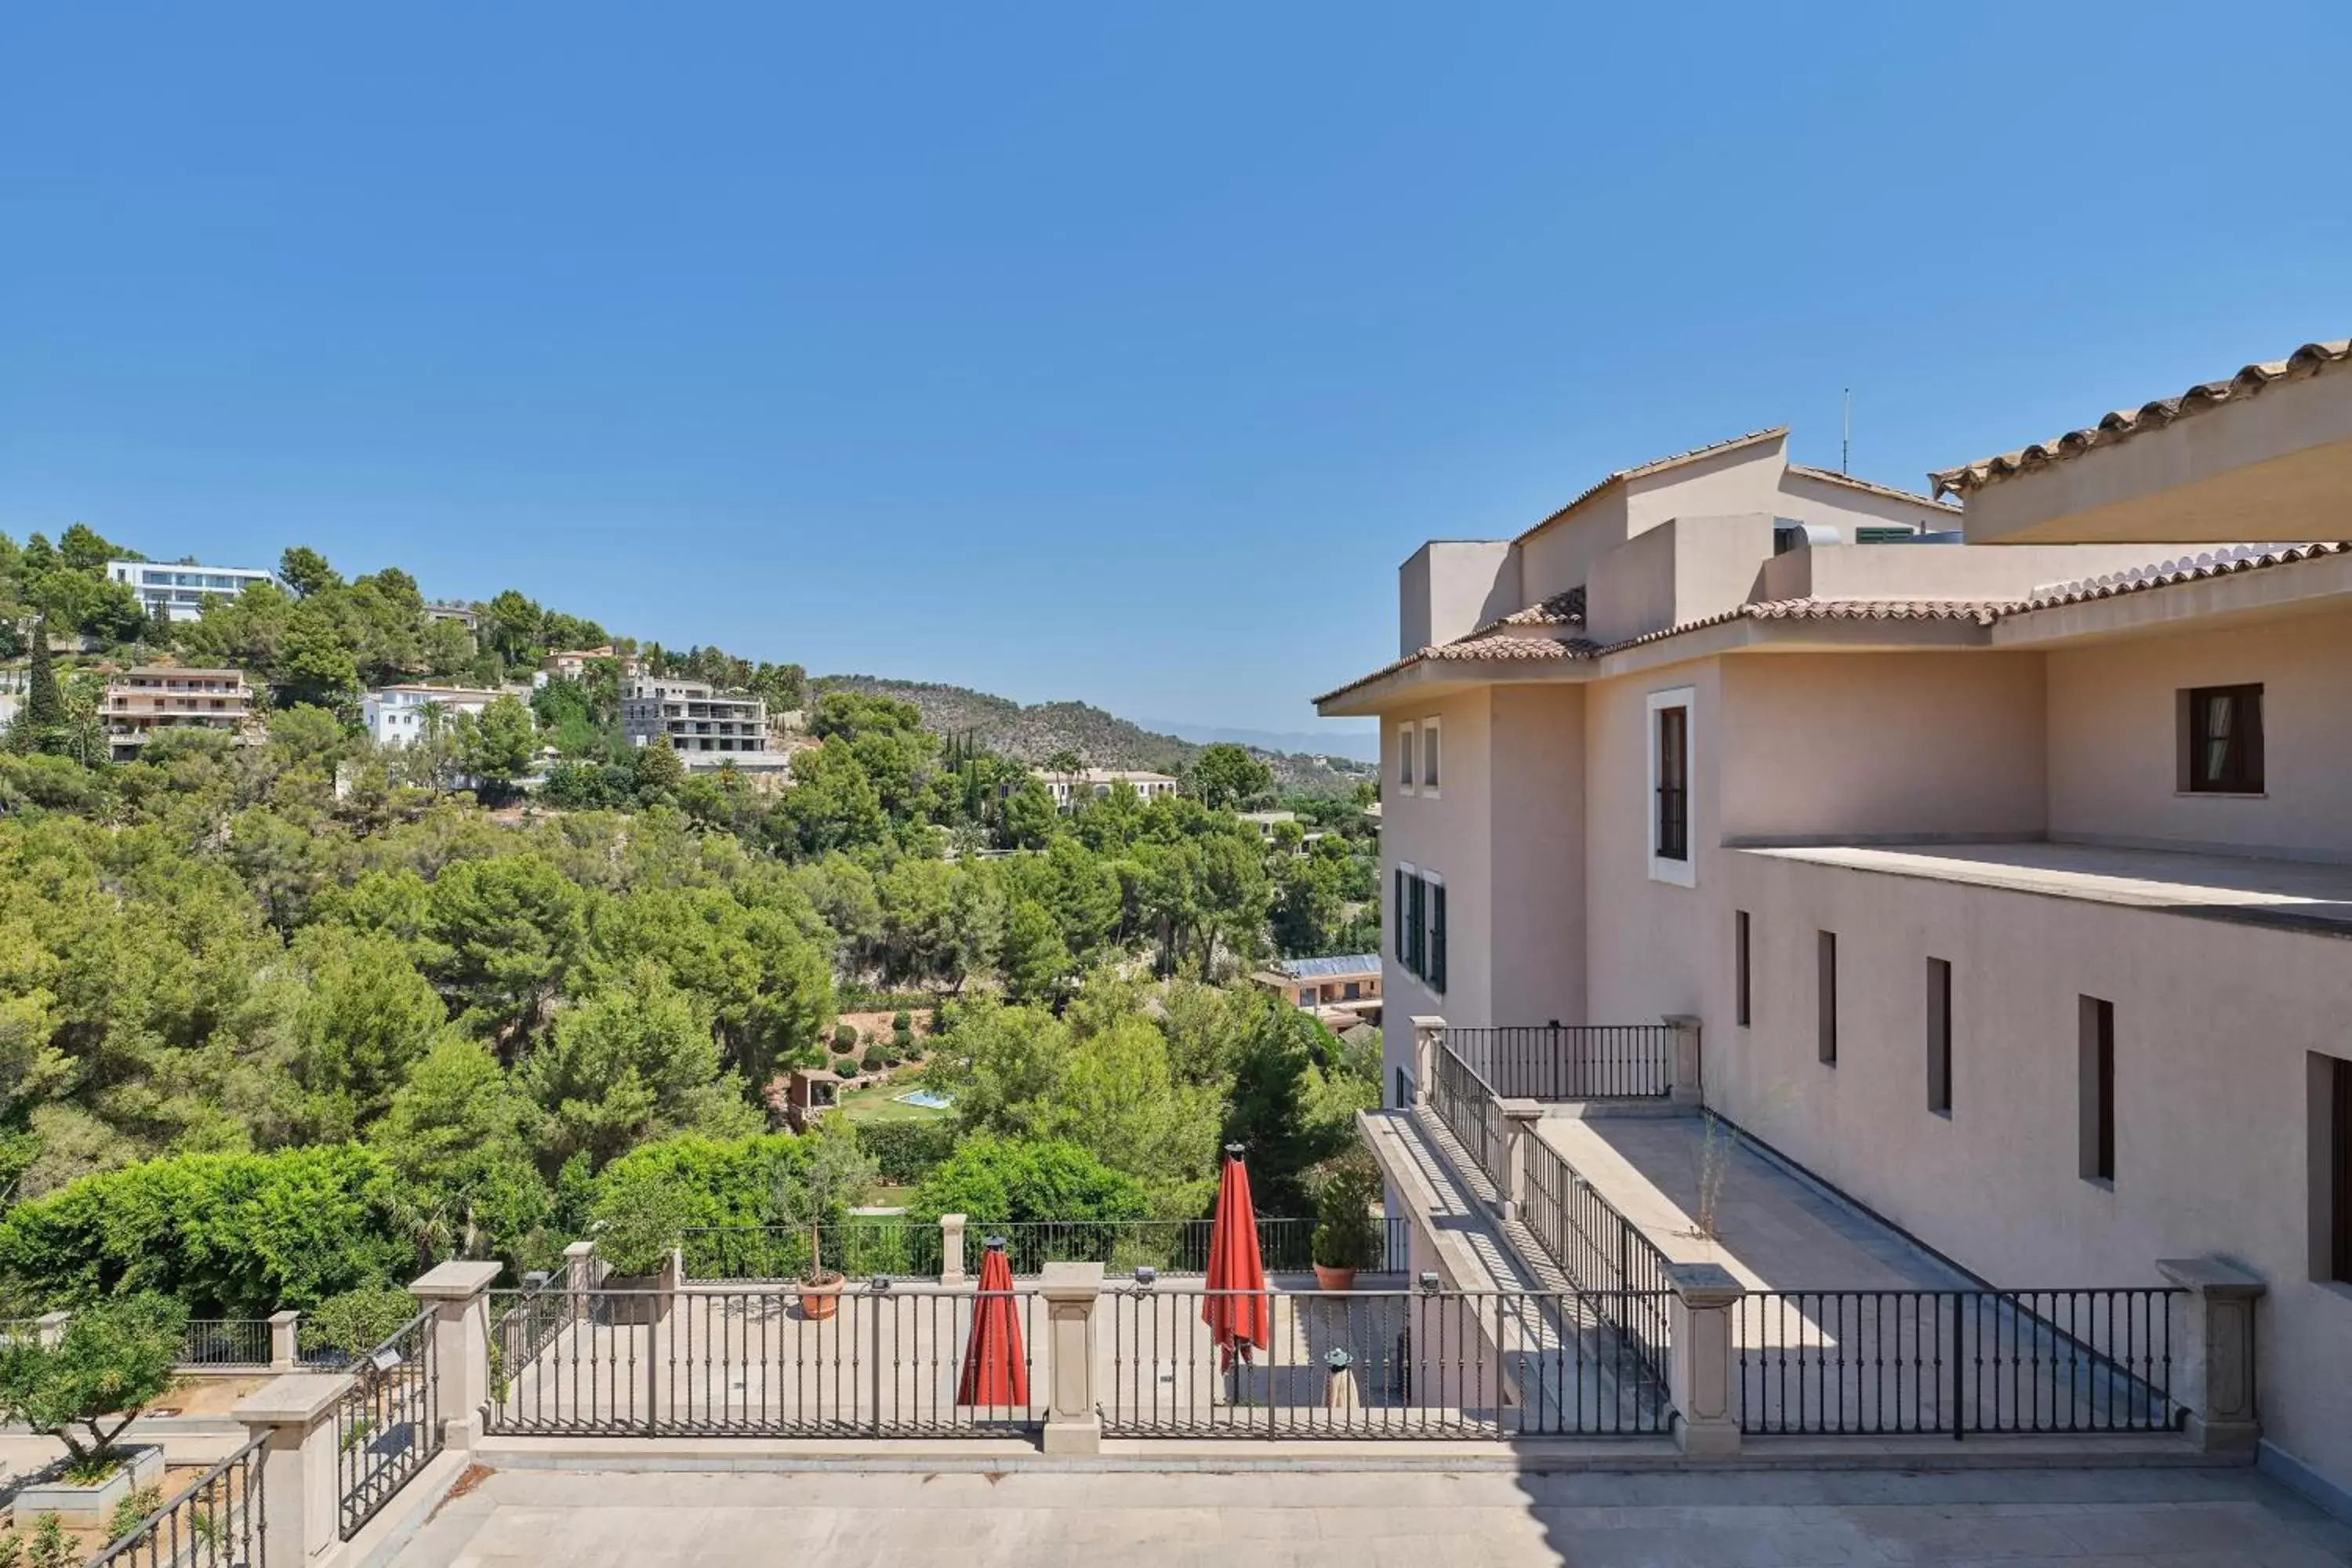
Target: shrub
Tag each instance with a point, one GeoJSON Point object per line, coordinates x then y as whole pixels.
{"type": "Point", "coordinates": [52, 1547]}
{"type": "Point", "coordinates": [639, 1216]}
{"type": "Point", "coordinates": [1346, 1234]}
{"type": "Point", "coordinates": [872, 1060]}
{"type": "Point", "coordinates": [844, 1037]}
{"type": "Point", "coordinates": [900, 1023]}
{"type": "Point", "coordinates": [1005, 1180]}
{"type": "Point", "coordinates": [845, 1066]}
{"type": "Point", "coordinates": [130, 1511]}
{"type": "Point", "coordinates": [906, 1152]}
{"type": "Point", "coordinates": [356, 1322]}
{"type": "Point", "coordinates": [902, 1041]}
{"type": "Point", "coordinates": [112, 1361]}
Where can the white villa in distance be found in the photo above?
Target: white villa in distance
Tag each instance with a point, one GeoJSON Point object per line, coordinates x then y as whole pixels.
{"type": "Point", "coordinates": [396, 715]}
{"type": "Point", "coordinates": [180, 589]}
{"type": "Point", "coordinates": [1993, 866]}
{"type": "Point", "coordinates": [1068, 789]}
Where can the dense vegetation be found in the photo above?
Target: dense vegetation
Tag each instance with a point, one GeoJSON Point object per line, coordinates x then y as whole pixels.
{"type": "Point", "coordinates": [281, 1021]}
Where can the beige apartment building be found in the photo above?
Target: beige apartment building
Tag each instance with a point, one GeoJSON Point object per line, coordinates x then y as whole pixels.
{"type": "Point", "coordinates": [1069, 789]}
{"type": "Point", "coordinates": [2001, 851]}
{"type": "Point", "coordinates": [138, 702]}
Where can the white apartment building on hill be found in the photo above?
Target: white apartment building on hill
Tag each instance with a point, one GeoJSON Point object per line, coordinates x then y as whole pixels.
{"type": "Point", "coordinates": [1068, 789]}
{"type": "Point", "coordinates": [708, 729]}
{"type": "Point", "coordinates": [2008, 882]}
{"type": "Point", "coordinates": [182, 590]}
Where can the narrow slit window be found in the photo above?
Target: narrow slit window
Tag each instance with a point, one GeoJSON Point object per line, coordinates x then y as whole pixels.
{"type": "Point", "coordinates": [1740, 974]}
{"type": "Point", "coordinates": [1826, 960]}
{"type": "Point", "coordinates": [1674, 784]}
{"type": "Point", "coordinates": [2096, 1054]}
{"type": "Point", "coordinates": [1939, 1036]}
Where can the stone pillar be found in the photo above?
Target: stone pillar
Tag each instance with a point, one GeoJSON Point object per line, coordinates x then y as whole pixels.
{"type": "Point", "coordinates": [302, 1497]}
{"type": "Point", "coordinates": [951, 1249]}
{"type": "Point", "coordinates": [1427, 1030]}
{"type": "Point", "coordinates": [1703, 1368]}
{"type": "Point", "coordinates": [50, 1327]}
{"type": "Point", "coordinates": [457, 1294]}
{"type": "Point", "coordinates": [1682, 1068]}
{"type": "Point", "coordinates": [1072, 1423]}
{"type": "Point", "coordinates": [2214, 1367]}
{"type": "Point", "coordinates": [285, 1341]}
{"type": "Point", "coordinates": [581, 1269]}
{"type": "Point", "coordinates": [1519, 1119]}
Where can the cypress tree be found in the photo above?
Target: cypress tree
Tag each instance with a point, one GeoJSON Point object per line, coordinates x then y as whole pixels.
{"type": "Point", "coordinates": [45, 705]}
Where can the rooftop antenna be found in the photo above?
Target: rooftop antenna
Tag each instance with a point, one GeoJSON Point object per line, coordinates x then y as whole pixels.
{"type": "Point", "coordinates": [1845, 441]}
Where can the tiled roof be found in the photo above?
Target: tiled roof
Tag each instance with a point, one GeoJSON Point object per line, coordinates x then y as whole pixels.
{"type": "Point", "coordinates": [1500, 645]}
{"type": "Point", "coordinates": [2312, 359]}
{"type": "Point", "coordinates": [1983, 612]}
{"type": "Point", "coordinates": [1659, 465]}
{"type": "Point", "coordinates": [1560, 610]}
{"type": "Point", "coordinates": [2198, 568]}
{"type": "Point", "coordinates": [1890, 492]}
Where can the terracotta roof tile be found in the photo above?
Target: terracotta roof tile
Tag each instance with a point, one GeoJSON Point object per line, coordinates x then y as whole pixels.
{"type": "Point", "coordinates": [2198, 568]}
{"type": "Point", "coordinates": [2310, 360]}
{"type": "Point", "coordinates": [1890, 492]}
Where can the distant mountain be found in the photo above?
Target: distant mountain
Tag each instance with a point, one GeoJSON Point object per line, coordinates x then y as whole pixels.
{"type": "Point", "coordinates": [1364, 745]}
{"type": "Point", "coordinates": [1105, 741]}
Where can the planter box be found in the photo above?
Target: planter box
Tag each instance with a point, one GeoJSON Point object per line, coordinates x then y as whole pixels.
{"type": "Point", "coordinates": [89, 1508]}
{"type": "Point", "coordinates": [624, 1311]}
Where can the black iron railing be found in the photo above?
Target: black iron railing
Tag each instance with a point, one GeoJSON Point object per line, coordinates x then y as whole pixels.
{"type": "Point", "coordinates": [388, 1427]}
{"type": "Point", "coordinates": [1568, 1061]}
{"type": "Point", "coordinates": [1372, 1363]}
{"type": "Point", "coordinates": [848, 1362]}
{"type": "Point", "coordinates": [902, 1248]}
{"type": "Point", "coordinates": [868, 1244]}
{"type": "Point", "coordinates": [1467, 1106]}
{"type": "Point", "coordinates": [225, 1343]}
{"type": "Point", "coordinates": [214, 1521]}
{"type": "Point", "coordinates": [1599, 1249]}
{"type": "Point", "coordinates": [1956, 1361]}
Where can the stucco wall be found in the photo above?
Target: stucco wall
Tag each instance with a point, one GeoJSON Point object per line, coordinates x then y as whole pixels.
{"type": "Point", "coordinates": [1536, 802]}
{"type": "Point", "coordinates": [2213, 1022]}
{"type": "Point", "coordinates": [1643, 959]}
{"type": "Point", "coordinates": [1450, 586]}
{"type": "Point", "coordinates": [1451, 836]}
{"type": "Point", "coordinates": [1940, 571]}
{"type": "Point", "coordinates": [1874, 745]}
{"type": "Point", "coordinates": [2114, 738]}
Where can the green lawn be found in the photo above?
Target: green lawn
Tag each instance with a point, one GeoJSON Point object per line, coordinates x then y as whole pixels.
{"type": "Point", "coordinates": [878, 1102]}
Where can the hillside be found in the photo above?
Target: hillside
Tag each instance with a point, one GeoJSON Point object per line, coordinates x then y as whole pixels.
{"type": "Point", "coordinates": [1105, 741]}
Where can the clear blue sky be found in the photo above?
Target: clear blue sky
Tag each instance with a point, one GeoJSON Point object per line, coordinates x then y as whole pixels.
{"type": "Point", "coordinates": [1098, 350]}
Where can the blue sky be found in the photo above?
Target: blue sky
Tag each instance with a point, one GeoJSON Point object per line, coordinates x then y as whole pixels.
{"type": "Point", "coordinates": [1107, 352]}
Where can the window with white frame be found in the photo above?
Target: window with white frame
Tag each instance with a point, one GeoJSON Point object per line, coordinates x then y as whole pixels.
{"type": "Point", "coordinates": [1407, 745]}
{"type": "Point", "coordinates": [1668, 801]}
{"type": "Point", "coordinates": [1429, 757]}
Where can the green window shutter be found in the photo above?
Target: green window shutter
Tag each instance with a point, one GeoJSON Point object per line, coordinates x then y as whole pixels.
{"type": "Point", "coordinates": [1396, 913]}
{"type": "Point", "coordinates": [1437, 939]}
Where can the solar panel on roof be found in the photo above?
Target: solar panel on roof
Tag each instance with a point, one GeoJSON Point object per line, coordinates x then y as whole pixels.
{"type": "Point", "coordinates": [1319, 968]}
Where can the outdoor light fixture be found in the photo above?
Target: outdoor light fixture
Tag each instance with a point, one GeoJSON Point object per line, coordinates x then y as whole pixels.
{"type": "Point", "coordinates": [878, 1284]}
{"type": "Point", "coordinates": [535, 1277]}
{"type": "Point", "coordinates": [385, 1358]}
{"type": "Point", "coordinates": [1146, 1276]}
{"type": "Point", "coordinates": [1337, 1360]}
{"type": "Point", "coordinates": [1429, 1279]}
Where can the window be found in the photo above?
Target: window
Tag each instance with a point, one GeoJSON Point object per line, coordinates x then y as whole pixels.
{"type": "Point", "coordinates": [1429, 756]}
{"type": "Point", "coordinates": [1436, 975]}
{"type": "Point", "coordinates": [1396, 911]}
{"type": "Point", "coordinates": [1670, 776]}
{"type": "Point", "coordinates": [1420, 925]}
{"type": "Point", "coordinates": [1939, 1036]}
{"type": "Point", "coordinates": [1825, 950]}
{"type": "Point", "coordinates": [2331, 1169]}
{"type": "Point", "coordinates": [1739, 972]}
{"type": "Point", "coordinates": [1405, 746]}
{"type": "Point", "coordinates": [2222, 733]}
{"type": "Point", "coordinates": [1351, 991]}
{"type": "Point", "coordinates": [2096, 1075]}
{"type": "Point", "coordinates": [1416, 927]}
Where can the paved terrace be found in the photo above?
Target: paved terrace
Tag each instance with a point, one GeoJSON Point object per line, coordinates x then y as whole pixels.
{"type": "Point", "coordinates": [2231, 1519]}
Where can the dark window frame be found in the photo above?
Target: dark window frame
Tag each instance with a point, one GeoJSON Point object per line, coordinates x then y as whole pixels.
{"type": "Point", "coordinates": [2223, 757]}
{"type": "Point", "coordinates": [1939, 1036]}
{"type": "Point", "coordinates": [2095, 1057]}
{"type": "Point", "coordinates": [1670, 829]}
{"type": "Point", "coordinates": [1825, 957]}
{"type": "Point", "coordinates": [1743, 977]}
{"type": "Point", "coordinates": [2340, 1148]}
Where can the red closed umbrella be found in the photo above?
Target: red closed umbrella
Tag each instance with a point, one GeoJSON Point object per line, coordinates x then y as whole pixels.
{"type": "Point", "coordinates": [1236, 1308]}
{"type": "Point", "coordinates": [995, 1367]}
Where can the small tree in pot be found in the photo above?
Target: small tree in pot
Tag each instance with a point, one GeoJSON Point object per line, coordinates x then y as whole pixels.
{"type": "Point", "coordinates": [640, 1215]}
{"type": "Point", "coordinates": [817, 1191]}
{"type": "Point", "coordinates": [112, 1361]}
{"type": "Point", "coordinates": [1346, 1236]}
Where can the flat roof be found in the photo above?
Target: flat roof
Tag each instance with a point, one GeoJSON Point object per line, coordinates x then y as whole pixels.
{"type": "Point", "coordinates": [2300, 895]}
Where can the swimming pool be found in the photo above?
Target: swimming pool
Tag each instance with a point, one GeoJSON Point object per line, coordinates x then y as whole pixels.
{"type": "Point", "coordinates": [926, 1099]}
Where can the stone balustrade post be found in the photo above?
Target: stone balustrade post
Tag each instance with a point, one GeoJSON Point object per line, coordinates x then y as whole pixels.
{"type": "Point", "coordinates": [2213, 1365]}
{"type": "Point", "coordinates": [1519, 1119]}
{"type": "Point", "coordinates": [285, 1341]}
{"type": "Point", "coordinates": [1702, 1373]}
{"type": "Point", "coordinates": [1682, 1067]}
{"type": "Point", "coordinates": [302, 1500]}
{"type": "Point", "coordinates": [581, 1270]}
{"type": "Point", "coordinates": [50, 1327]}
{"type": "Point", "coordinates": [1428, 1030]}
{"type": "Point", "coordinates": [951, 1249]}
{"type": "Point", "coordinates": [458, 1293]}
{"type": "Point", "coordinates": [1073, 1422]}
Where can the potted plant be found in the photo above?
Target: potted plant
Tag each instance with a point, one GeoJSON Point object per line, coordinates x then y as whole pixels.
{"type": "Point", "coordinates": [816, 1191]}
{"type": "Point", "coordinates": [1346, 1236]}
{"type": "Point", "coordinates": [85, 1389]}
{"type": "Point", "coordinates": [639, 1218]}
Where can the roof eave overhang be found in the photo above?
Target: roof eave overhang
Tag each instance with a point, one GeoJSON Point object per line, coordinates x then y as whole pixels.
{"type": "Point", "coordinates": [2211, 603]}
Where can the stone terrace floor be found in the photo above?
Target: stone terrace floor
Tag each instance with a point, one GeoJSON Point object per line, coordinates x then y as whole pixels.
{"type": "Point", "coordinates": [1422, 1520]}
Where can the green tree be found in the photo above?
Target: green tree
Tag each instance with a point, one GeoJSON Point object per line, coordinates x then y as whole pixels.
{"type": "Point", "coordinates": [113, 1360]}
{"type": "Point", "coordinates": [1006, 1181]}
{"type": "Point", "coordinates": [306, 572]}
{"type": "Point", "coordinates": [1034, 961]}
{"type": "Point", "coordinates": [632, 1063]}
{"type": "Point", "coordinates": [658, 769]}
{"type": "Point", "coordinates": [367, 1019]}
{"type": "Point", "coordinates": [1226, 777]}
{"type": "Point", "coordinates": [497, 745]}
{"type": "Point", "coordinates": [43, 713]}
{"type": "Point", "coordinates": [505, 932]}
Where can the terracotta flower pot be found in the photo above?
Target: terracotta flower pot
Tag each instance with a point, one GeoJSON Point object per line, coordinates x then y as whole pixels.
{"type": "Point", "coordinates": [817, 1307]}
{"type": "Point", "coordinates": [1330, 1279]}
